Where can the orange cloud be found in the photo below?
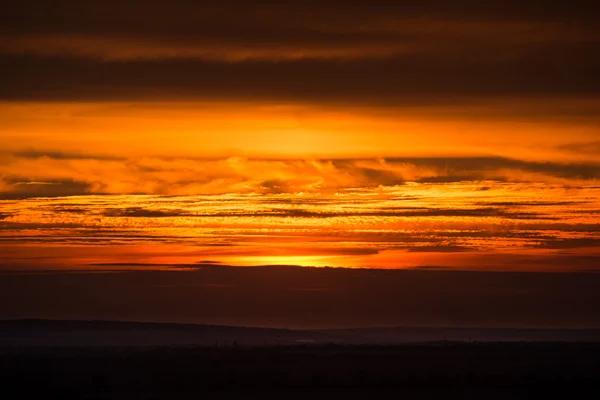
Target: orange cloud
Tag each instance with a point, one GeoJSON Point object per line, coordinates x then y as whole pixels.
{"type": "Point", "coordinates": [251, 129]}
{"type": "Point", "coordinates": [31, 174]}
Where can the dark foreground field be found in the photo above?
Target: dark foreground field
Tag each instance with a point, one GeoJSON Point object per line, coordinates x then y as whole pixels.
{"type": "Point", "coordinates": [434, 370]}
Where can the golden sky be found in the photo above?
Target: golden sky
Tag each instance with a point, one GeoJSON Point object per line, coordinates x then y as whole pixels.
{"type": "Point", "coordinates": [299, 134]}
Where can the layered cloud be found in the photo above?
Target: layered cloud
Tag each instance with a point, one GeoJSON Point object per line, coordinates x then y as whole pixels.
{"type": "Point", "coordinates": [39, 174]}
{"type": "Point", "coordinates": [423, 134]}
{"type": "Point", "coordinates": [237, 31]}
{"type": "Point", "coordinates": [296, 50]}
{"type": "Point", "coordinates": [458, 225]}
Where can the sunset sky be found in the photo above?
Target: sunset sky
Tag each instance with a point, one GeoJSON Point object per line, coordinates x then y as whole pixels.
{"type": "Point", "coordinates": [181, 135]}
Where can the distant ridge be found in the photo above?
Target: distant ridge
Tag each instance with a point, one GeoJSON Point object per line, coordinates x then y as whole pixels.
{"type": "Point", "coordinates": [83, 324]}
{"type": "Point", "coordinates": [42, 332]}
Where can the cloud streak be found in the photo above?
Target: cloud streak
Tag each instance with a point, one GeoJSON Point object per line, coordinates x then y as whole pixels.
{"type": "Point", "coordinates": [286, 31]}
{"type": "Point", "coordinates": [51, 175]}
{"type": "Point", "coordinates": [454, 225]}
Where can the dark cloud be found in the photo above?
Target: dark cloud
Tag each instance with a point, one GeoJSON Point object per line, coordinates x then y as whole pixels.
{"type": "Point", "coordinates": [344, 251]}
{"type": "Point", "coordinates": [117, 16]}
{"type": "Point", "coordinates": [582, 148]}
{"type": "Point", "coordinates": [441, 248]}
{"type": "Point", "coordinates": [304, 213]}
{"type": "Point", "coordinates": [398, 80]}
{"type": "Point", "coordinates": [475, 168]}
{"type": "Point", "coordinates": [427, 52]}
{"type": "Point", "coordinates": [74, 210]}
{"type": "Point", "coordinates": [573, 243]}
{"type": "Point", "coordinates": [290, 22]}
{"type": "Point", "coordinates": [564, 227]}
{"type": "Point", "coordinates": [59, 155]}
{"type": "Point", "coordinates": [26, 188]}
{"type": "Point", "coordinates": [418, 212]}
{"type": "Point", "coordinates": [533, 203]}
{"type": "Point", "coordinates": [453, 179]}
{"type": "Point", "coordinates": [275, 186]}
{"type": "Point", "coordinates": [119, 266]}
{"type": "Point", "coordinates": [139, 212]}
{"type": "Point", "coordinates": [475, 212]}
{"type": "Point", "coordinates": [310, 289]}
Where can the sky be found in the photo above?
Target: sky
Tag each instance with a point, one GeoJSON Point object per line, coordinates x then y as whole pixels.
{"type": "Point", "coordinates": [176, 136]}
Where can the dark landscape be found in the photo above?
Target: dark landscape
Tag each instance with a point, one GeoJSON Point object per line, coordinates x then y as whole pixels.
{"type": "Point", "coordinates": [55, 333]}
{"type": "Point", "coordinates": [127, 360]}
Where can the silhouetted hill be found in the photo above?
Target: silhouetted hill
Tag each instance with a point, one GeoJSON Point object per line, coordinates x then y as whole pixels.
{"type": "Point", "coordinates": [396, 335]}
{"type": "Point", "coordinates": [34, 332]}
{"type": "Point", "coordinates": [117, 333]}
